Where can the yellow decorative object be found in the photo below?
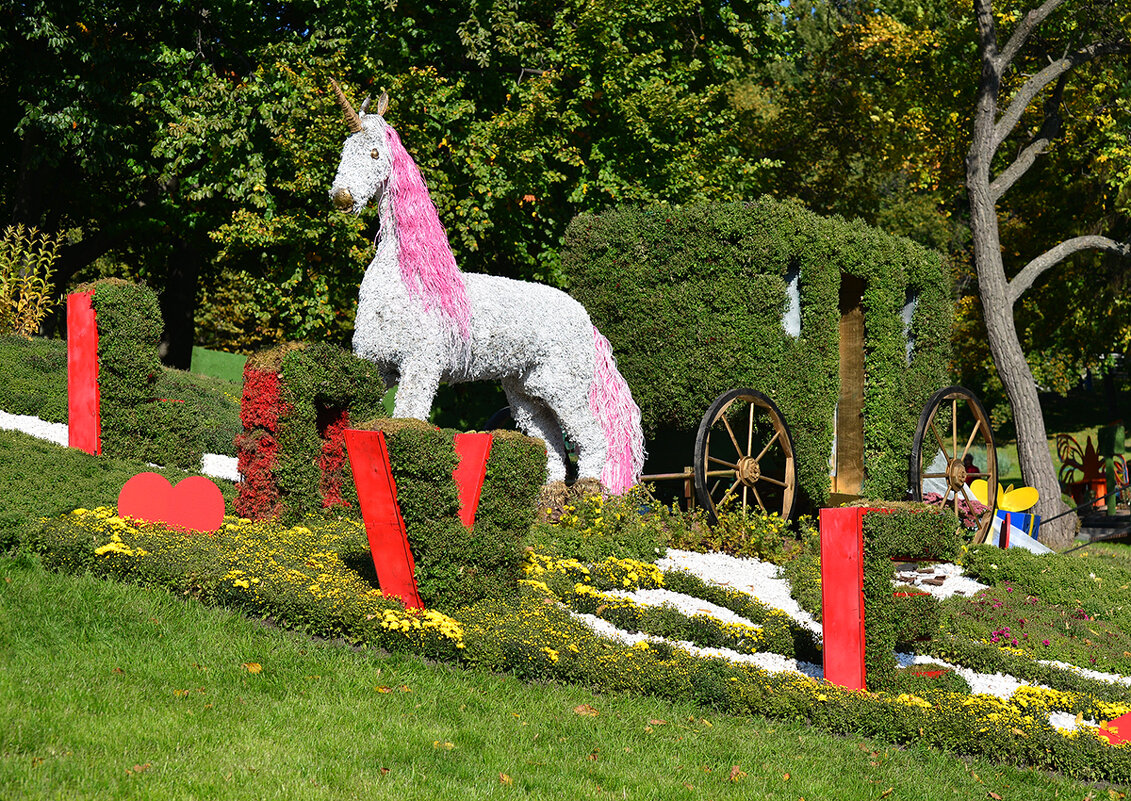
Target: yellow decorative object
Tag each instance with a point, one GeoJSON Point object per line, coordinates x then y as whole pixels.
{"type": "Point", "coordinates": [1008, 500]}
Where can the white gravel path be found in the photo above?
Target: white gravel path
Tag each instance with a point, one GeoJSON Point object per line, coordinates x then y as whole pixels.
{"type": "Point", "coordinates": [213, 464]}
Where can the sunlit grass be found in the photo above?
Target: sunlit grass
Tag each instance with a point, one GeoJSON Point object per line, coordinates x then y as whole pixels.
{"type": "Point", "coordinates": [114, 691]}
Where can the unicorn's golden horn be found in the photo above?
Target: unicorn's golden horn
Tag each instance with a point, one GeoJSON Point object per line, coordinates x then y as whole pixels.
{"type": "Point", "coordinates": [353, 122]}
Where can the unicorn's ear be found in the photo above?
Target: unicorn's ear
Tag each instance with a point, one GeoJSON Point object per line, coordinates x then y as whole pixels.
{"type": "Point", "coordinates": [364, 107]}
{"type": "Point", "coordinates": [383, 103]}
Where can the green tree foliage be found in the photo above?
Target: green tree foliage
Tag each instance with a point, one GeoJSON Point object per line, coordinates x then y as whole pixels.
{"type": "Point", "coordinates": [195, 145]}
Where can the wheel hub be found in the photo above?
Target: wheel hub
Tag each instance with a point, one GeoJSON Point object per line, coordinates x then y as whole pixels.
{"type": "Point", "coordinates": [749, 471]}
{"type": "Point", "coordinates": [956, 474]}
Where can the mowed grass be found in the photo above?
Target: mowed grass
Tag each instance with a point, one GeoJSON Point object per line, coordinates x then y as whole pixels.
{"type": "Point", "coordinates": [114, 691]}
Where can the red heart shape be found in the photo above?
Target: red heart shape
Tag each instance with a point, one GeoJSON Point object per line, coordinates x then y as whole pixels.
{"type": "Point", "coordinates": [195, 504]}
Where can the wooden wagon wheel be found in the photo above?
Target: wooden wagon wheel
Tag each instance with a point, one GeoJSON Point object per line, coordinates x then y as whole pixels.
{"type": "Point", "coordinates": [744, 452]}
{"type": "Point", "coordinates": [952, 429]}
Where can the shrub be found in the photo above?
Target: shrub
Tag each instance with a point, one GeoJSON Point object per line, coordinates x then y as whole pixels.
{"type": "Point", "coordinates": [26, 259]}
{"type": "Point", "coordinates": [456, 565]}
{"type": "Point", "coordinates": [593, 527]}
{"type": "Point", "coordinates": [298, 577]}
{"type": "Point", "coordinates": [692, 300]}
{"type": "Point", "coordinates": [297, 401]}
{"type": "Point", "coordinates": [35, 380]}
{"type": "Point", "coordinates": [749, 533]}
{"type": "Point", "coordinates": [1080, 581]}
{"type": "Point", "coordinates": [909, 531]}
{"type": "Point", "coordinates": [138, 421]}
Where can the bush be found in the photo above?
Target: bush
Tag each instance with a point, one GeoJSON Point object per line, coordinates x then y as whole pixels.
{"type": "Point", "coordinates": [35, 380]}
{"type": "Point", "coordinates": [1096, 585]}
{"type": "Point", "coordinates": [26, 259]}
{"type": "Point", "coordinates": [297, 401]}
{"type": "Point", "coordinates": [908, 531]}
{"type": "Point", "coordinates": [138, 421]}
{"type": "Point", "coordinates": [692, 300]}
{"type": "Point", "coordinates": [594, 527]}
{"type": "Point", "coordinates": [456, 565]}
{"type": "Point", "coordinates": [298, 577]}
{"type": "Point", "coordinates": [750, 533]}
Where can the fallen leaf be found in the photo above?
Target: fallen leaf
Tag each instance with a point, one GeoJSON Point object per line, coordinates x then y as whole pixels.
{"type": "Point", "coordinates": [688, 786]}
{"type": "Point", "coordinates": [585, 710]}
{"type": "Point", "coordinates": [994, 795]}
{"type": "Point", "coordinates": [384, 771]}
{"type": "Point", "coordinates": [505, 779]}
{"type": "Point", "coordinates": [119, 670]}
{"type": "Point", "coordinates": [657, 722]}
{"type": "Point", "coordinates": [405, 688]}
{"type": "Point", "coordinates": [447, 746]}
{"type": "Point", "coordinates": [887, 792]}
{"type": "Point", "coordinates": [139, 768]}
{"type": "Point", "coordinates": [253, 667]}
{"type": "Point", "coordinates": [708, 723]}
{"type": "Point", "coordinates": [785, 777]}
{"type": "Point", "coordinates": [736, 773]}
{"type": "Point", "coordinates": [593, 754]}
{"type": "Point", "coordinates": [382, 689]}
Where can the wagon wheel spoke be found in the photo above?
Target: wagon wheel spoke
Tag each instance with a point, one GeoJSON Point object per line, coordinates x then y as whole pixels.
{"type": "Point", "coordinates": [774, 481]}
{"type": "Point", "coordinates": [716, 460]}
{"type": "Point", "coordinates": [773, 439]}
{"type": "Point", "coordinates": [954, 430]}
{"type": "Point", "coordinates": [934, 475]}
{"type": "Point", "coordinates": [721, 473]}
{"type": "Point", "coordinates": [970, 439]}
{"type": "Point", "coordinates": [730, 431]}
{"type": "Point", "coordinates": [938, 437]}
{"type": "Point", "coordinates": [758, 497]}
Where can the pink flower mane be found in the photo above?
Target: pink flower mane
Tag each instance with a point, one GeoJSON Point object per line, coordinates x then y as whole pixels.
{"type": "Point", "coordinates": [428, 267]}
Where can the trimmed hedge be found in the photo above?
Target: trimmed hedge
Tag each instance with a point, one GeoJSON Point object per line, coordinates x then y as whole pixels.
{"type": "Point", "coordinates": [692, 300]}
{"type": "Point", "coordinates": [298, 577]}
{"type": "Point", "coordinates": [35, 377]}
{"type": "Point", "coordinates": [921, 533]}
{"type": "Point", "coordinates": [141, 416]}
{"type": "Point", "coordinates": [456, 565]}
{"type": "Point", "coordinates": [298, 400]}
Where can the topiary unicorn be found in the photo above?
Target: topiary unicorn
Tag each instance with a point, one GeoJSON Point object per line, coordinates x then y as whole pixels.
{"type": "Point", "coordinates": [422, 321]}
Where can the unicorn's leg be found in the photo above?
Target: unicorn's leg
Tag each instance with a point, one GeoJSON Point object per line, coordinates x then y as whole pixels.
{"type": "Point", "coordinates": [535, 419]}
{"type": "Point", "coordinates": [416, 390]}
{"type": "Point", "coordinates": [568, 397]}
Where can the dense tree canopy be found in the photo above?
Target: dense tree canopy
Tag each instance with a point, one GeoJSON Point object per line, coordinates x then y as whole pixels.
{"type": "Point", "coordinates": [193, 142]}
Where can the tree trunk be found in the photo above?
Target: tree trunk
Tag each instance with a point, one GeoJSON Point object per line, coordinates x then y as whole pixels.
{"type": "Point", "coordinates": [1037, 469]}
{"type": "Point", "coordinates": [178, 306]}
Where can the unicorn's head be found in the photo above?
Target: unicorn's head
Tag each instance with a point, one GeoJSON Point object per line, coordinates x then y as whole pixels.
{"type": "Point", "coordinates": [366, 160]}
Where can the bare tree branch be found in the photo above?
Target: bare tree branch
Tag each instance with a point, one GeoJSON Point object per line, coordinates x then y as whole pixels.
{"type": "Point", "coordinates": [1032, 87]}
{"type": "Point", "coordinates": [1053, 256]}
{"type": "Point", "coordinates": [1022, 32]}
{"type": "Point", "coordinates": [1050, 129]}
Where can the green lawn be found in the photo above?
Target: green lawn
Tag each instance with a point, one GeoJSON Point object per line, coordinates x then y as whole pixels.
{"type": "Point", "coordinates": [113, 691]}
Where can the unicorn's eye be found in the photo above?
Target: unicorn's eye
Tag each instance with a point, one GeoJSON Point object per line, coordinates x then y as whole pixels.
{"type": "Point", "coordinates": [375, 153]}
